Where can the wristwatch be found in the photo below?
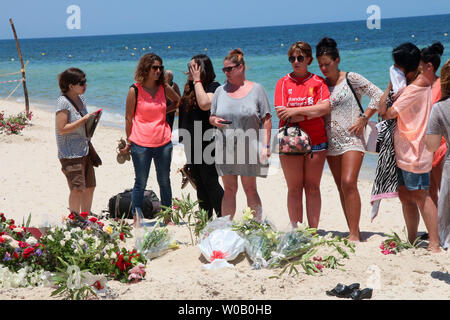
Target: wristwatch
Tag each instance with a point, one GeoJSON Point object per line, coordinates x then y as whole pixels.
{"type": "Point", "coordinates": [362, 115]}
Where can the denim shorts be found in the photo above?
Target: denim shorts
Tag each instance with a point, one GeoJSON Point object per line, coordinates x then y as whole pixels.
{"type": "Point", "coordinates": [413, 181]}
{"type": "Point", "coordinates": [319, 147]}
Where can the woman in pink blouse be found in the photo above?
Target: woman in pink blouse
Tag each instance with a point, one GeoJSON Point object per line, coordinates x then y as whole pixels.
{"type": "Point", "coordinates": [412, 110]}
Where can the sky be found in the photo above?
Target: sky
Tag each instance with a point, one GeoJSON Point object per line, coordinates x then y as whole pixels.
{"type": "Point", "coordinates": [56, 18]}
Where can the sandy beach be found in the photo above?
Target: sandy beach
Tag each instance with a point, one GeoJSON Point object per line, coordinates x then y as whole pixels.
{"type": "Point", "coordinates": [31, 182]}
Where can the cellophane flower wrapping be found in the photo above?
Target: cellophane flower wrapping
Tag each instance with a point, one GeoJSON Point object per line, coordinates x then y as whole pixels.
{"type": "Point", "coordinates": [258, 246]}
{"type": "Point", "coordinates": [222, 244]}
{"type": "Point", "coordinates": [292, 244]}
{"type": "Point", "coordinates": [219, 223]}
{"type": "Point", "coordinates": [154, 243]}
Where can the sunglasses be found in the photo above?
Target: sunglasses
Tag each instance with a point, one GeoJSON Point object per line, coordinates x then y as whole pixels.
{"type": "Point", "coordinates": [158, 67]}
{"type": "Point", "coordinates": [299, 59]}
{"type": "Point", "coordinates": [82, 82]}
{"type": "Point", "coordinates": [228, 69]}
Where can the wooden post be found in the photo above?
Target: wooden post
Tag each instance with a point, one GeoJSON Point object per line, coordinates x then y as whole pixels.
{"type": "Point", "coordinates": [25, 91]}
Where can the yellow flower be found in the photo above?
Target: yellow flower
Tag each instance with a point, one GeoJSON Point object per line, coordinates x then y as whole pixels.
{"type": "Point", "coordinates": [173, 245]}
{"type": "Point", "coordinates": [248, 214]}
{"type": "Point", "coordinates": [109, 229]}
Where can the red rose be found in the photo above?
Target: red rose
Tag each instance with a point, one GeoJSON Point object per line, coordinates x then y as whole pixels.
{"type": "Point", "coordinates": [93, 219]}
{"type": "Point", "coordinates": [71, 216]}
{"type": "Point", "coordinates": [23, 244]}
{"type": "Point", "coordinates": [2, 240]}
{"type": "Point", "coordinates": [122, 236]}
{"type": "Point", "coordinates": [101, 224]}
{"type": "Point", "coordinates": [84, 214]}
{"type": "Point", "coordinates": [15, 255]}
{"type": "Point", "coordinates": [98, 285]}
{"type": "Point", "coordinates": [27, 252]}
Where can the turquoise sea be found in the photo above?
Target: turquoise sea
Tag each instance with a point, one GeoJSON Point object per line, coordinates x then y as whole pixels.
{"type": "Point", "coordinates": [109, 61]}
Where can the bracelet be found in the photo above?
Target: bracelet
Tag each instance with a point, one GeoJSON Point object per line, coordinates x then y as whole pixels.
{"type": "Point", "coordinates": [268, 146]}
{"type": "Point", "coordinates": [197, 81]}
{"type": "Point", "coordinates": [362, 115]}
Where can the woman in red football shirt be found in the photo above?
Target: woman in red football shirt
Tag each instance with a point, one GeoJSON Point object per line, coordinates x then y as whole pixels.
{"type": "Point", "coordinates": [304, 98]}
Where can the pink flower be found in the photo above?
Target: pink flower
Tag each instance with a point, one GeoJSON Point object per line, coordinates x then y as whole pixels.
{"type": "Point", "coordinates": [382, 246]}
{"type": "Point", "coordinates": [392, 244]}
{"type": "Point", "coordinates": [217, 255]}
{"type": "Point", "coordinates": [137, 273]}
{"type": "Point", "coordinates": [385, 252]}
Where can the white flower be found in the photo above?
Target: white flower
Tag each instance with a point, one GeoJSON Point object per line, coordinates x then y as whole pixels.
{"type": "Point", "coordinates": [67, 235]}
{"type": "Point", "coordinates": [81, 242]}
{"type": "Point", "coordinates": [85, 236]}
{"type": "Point", "coordinates": [18, 230]}
{"type": "Point", "coordinates": [49, 237]}
{"type": "Point", "coordinates": [106, 256]}
{"type": "Point", "coordinates": [113, 255]}
{"type": "Point", "coordinates": [97, 256]}
{"type": "Point", "coordinates": [31, 240]}
{"type": "Point", "coordinates": [63, 243]}
{"type": "Point", "coordinates": [14, 244]}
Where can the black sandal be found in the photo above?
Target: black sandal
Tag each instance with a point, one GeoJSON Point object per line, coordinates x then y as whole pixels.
{"type": "Point", "coordinates": [343, 291]}
{"type": "Point", "coordinates": [362, 294]}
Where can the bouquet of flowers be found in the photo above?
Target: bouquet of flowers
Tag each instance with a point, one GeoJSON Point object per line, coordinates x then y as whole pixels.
{"type": "Point", "coordinates": [394, 244]}
{"type": "Point", "coordinates": [155, 243]}
{"type": "Point", "coordinates": [259, 246]}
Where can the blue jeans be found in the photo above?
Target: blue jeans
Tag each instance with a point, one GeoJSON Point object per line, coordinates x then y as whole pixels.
{"type": "Point", "coordinates": [142, 159]}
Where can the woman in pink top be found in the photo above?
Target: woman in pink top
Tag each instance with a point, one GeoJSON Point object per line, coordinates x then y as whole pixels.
{"type": "Point", "coordinates": [148, 134]}
{"type": "Point", "coordinates": [412, 110]}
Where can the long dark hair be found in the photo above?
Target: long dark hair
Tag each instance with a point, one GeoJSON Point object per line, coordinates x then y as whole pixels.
{"type": "Point", "coordinates": [144, 66]}
{"type": "Point", "coordinates": [407, 56]}
{"type": "Point", "coordinates": [327, 47]}
{"type": "Point", "coordinates": [445, 81]}
{"type": "Point", "coordinates": [207, 76]}
{"type": "Point", "coordinates": [432, 54]}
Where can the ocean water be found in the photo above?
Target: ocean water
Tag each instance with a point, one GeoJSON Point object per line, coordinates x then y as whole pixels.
{"type": "Point", "coordinates": [110, 61]}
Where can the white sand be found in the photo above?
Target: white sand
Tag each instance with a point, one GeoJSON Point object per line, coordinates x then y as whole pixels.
{"type": "Point", "coordinates": [31, 182]}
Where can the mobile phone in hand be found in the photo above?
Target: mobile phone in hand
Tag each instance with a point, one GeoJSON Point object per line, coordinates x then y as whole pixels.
{"type": "Point", "coordinates": [225, 122]}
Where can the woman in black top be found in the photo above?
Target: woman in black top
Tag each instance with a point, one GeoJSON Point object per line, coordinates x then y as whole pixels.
{"type": "Point", "coordinates": [197, 134]}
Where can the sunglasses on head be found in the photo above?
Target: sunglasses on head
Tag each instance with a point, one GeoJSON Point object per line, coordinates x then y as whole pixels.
{"type": "Point", "coordinates": [158, 67]}
{"type": "Point", "coordinates": [299, 59]}
{"type": "Point", "coordinates": [228, 69]}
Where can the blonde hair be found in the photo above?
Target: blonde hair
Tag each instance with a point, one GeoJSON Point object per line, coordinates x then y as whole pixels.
{"type": "Point", "coordinates": [303, 47]}
{"type": "Point", "coordinates": [236, 56]}
{"type": "Point", "coordinates": [445, 81]}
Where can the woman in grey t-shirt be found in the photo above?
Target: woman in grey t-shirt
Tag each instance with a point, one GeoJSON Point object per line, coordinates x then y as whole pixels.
{"type": "Point", "coordinates": [240, 110]}
{"type": "Point", "coordinates": [438, 127]}
{"type": "Point", "coordinates": [71, 140]}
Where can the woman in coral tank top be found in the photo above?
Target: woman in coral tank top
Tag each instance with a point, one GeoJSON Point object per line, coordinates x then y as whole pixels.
{"type": "Point", "coordinates": [148, 134]}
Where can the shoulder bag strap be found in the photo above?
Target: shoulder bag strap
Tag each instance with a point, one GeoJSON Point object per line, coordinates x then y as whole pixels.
{"type": "Point", "coordinates": [136, 93]}
{"type": "Point", "coordinates": [75, 106]}
{"type": "Point", "coordinates": [354, 93]}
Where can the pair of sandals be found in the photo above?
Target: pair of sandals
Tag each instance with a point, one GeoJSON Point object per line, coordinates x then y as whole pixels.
{"type": "Point", "coordinates": [351, 291]}
{"type": "Point", "coordinates": [121, 158]}
{"type": "Point", "coordinates": [186, 177]}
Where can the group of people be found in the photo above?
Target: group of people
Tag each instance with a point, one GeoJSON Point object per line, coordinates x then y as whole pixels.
{"type": "Point", "coordinates": [214, 118]}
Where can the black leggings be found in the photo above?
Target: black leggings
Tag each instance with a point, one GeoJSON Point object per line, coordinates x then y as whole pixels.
{"type": "Point", "coordinates": [209, 190]}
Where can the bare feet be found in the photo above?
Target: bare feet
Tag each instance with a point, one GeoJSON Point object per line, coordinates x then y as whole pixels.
{"type": "Point", "coordinates": [433, 248]}
{"type": "Point", "coordinates": [354, 238]}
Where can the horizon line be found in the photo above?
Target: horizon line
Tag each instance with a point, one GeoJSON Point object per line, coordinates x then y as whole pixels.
{"type": "Point", "coordinates": [217, 29]}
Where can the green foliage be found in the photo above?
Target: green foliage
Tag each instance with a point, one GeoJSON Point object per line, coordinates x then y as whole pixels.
{"type": "Point", "coordinates": [186, 212]}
